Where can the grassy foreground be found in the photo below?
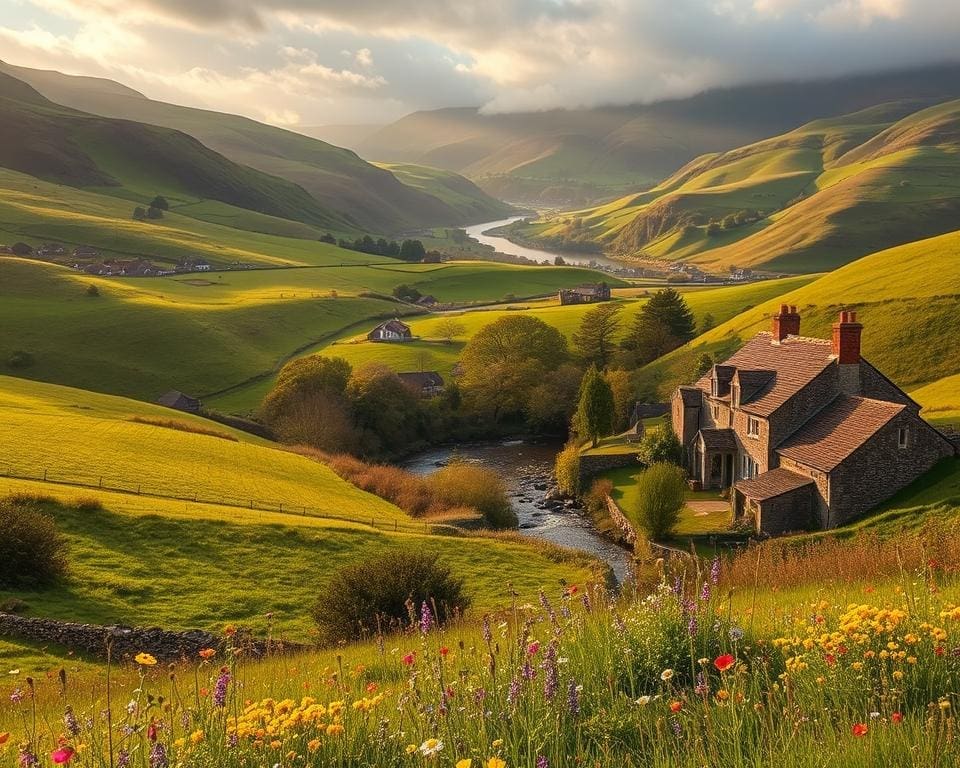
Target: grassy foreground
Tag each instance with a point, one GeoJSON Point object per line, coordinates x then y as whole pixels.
{"type": "Point", "coordinates": [860, 678]}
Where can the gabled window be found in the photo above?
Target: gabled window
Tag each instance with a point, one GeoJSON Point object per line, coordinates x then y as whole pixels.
{"type": "Point", "coordinates": [753, 426]}
{"type": "Point", "coordinates": [903, 436]}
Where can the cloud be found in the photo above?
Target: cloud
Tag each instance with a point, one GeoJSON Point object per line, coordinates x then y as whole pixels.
{"type": "Point", "coordinates": [380, 57]}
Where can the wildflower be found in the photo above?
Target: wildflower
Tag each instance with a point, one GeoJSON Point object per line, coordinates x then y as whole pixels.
{"type": "Point", "coordinates": [944, 704]}
{"type": "Point", "coordinates": [551, 675]}
{"type": "Point", "coordinates": [196, 737]}
{"type": "Point", "coordinates": [736, 634]}
{"type": "Point", "coordinates": [513, 693]}
{"type": "Point", "coordinates": [496, 762]}
{"type": "Point", "coordinates": [444, 651]}
{"type": "Point", "coordinates": [533, 648]}
{"type": "Point", "coordinates": [643, 701]}
{"type": "Point", "coordinates": [123, 759]}
{"type": "Point", "coordinates": [715, 571]}
{"type": "Point", "coordinates": [485, 630]}
{"type": "Point", "coordinates": [158, 756]}
{"type": "Point", "coordinates": [497, 743]}
{"type": "Point", "coordinates": [17, 696]}
{"type": "Point", "coordinates": [723, 695]}
{"type": "Point", "coordinates": [874, 715]}
{"type": "Point", "coordinates": [705, 592]}
{"type": "Point", "coordinates": [426, 618]}
{"type": "Point", "coordinates": [335, 729]}
{"type": "Point", "coordinates": [4, 737]}
{"type": "Point", "coordinates": [207, 653]}
{"type": "Point", "coordinates": [313, 745]}
{"type": "Point", "coordinates": [542, 762]}
{"type": "Point", "coordinates": [70, 722]}
{"type": "Point", "coordinates": [465, 763]}
{"type": "Point", "coordinates": [431, 747]}
{"type": "Point", "coordinates": [676, 706]}
{"type": "Point", "coordinates": [409, 658]}
{"type": "Point", "coordinates": [145, 659]}
{"type": "Point", "coordinates": [410, 749]}
{"type": "Point", "coordinates": [724, 662]}
{"type": "Point", "coordinates": [860, 729]}
{"type": "Point", "coordinates": [666, 675]}
{"type": "Point", "coordinates": [896, 718]}
{"type": "Point", "coordinates": [62, 755]}
{"type": "Point", "coordinates": [220, 689]}
{"type": "Point", "coordinates": [230, 630]}
{"type": "Point", "coordinates": [573, 698]}
{"type": "Point", "coordinates": [26, 759]}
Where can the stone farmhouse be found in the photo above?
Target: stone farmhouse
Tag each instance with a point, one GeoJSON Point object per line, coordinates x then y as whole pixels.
{"type": "Point", "coordinates": [422, 383]}
{"type": "Point", "coordinates": [392, 330]}
{"type": "Point", "coordinates": [588, 293]}
{"type": "Point", "coordinates": [805, 431]}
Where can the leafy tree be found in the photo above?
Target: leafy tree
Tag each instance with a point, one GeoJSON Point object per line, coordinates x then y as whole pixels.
{"type": "Point", "coordinates": [624, 396]}
{"type": "Point", "coordinates": [372, 595]}
{"type": "Point", "coordinates": [139, 213]}
{"type": "Point", "coordinates": [594, 340]}
{"type": "Point", "coordinates": [559, 262]}
{"type": "Point", "coordinates": [33, 552]}
{"type": "Point", "coordinates": [385, 412]}
{"type": "Point", "coordinates": [412, 250]}
{"type": "Point", "coordinates": [505, 361]}
{"type": "Point", "coordinates": [448, 329]}
{"type": "Point", "coordinates": [661, 495]}
{"type": "Point", "coordinates": [154, 213]}
{"type": "Point", "coordinates": [566, 468]}
{"type": "Point", "coordinates": [160, 202]}
{"type": "Point", "coordinates": [703, 364]}
{"type": "Point", "coordinates": [328, 238]}
{"type": "Point", "coordinates": [663, 324]}
{"type": "Point", "coordinates": [405, 292]}
{"type": "Point", "coordinates": [552, 402]}
{"type": "Point", "coordinates": [595, 407]}
{"type": "Point", "coordinates": [660, 446]}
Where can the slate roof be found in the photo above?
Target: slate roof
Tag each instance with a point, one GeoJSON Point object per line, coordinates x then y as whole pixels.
{"type": "Point", "coordinates": [771, 484]}
{"type": "Point", "coordinates": [178, 400]}
{"type": "Point", "coordinates": [751, 382]}
{"type": "Point", "coordinates": [837, 431]}
{"type": "Point", "coordinates": [794, 362]}
{"type": "Point", "coordinates": [719, 439]}
{"type": "Point", "coordinates": [395, 326]}
{"type": "Point", "coordinates": [691, 396]}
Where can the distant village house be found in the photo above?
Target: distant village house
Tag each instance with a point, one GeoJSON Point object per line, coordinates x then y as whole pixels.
{"type": "Point", "coordinates": [588, 293]}
{"type": "Point", "coordinates": [180, 402]}
{"type": "Point", "coordinates": [423, 383]}
{"type": "Point", "coordinates": [804, 431]}
{"type": "Point", "coordinates": [392, 330]}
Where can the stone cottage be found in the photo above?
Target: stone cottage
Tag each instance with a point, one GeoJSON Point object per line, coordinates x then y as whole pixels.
{"type": "Point", "coordinates": [805, 431]}
{"type": "Point", "coordinates": [392, 330]}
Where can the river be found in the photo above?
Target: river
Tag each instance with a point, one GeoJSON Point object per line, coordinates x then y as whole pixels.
{"type": "Point", "coordinates": [522, 466]}
{"type": "Point", "coordinates": [504, 245]}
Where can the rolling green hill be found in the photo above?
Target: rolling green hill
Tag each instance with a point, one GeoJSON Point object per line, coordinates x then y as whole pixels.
{"type": "Point", "coordinates": [352, 192]}
{"type": "Point", "coordinates": [561, 157]}
{"type": "Point", "coordinates": [184, 564]}
{"type": "Point", "coordinates": [807, 201]}
{"type": "Point", "coordinates": [906, 297]}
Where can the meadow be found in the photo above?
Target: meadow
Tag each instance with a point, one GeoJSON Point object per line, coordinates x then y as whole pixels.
{"type": "Point", "coordinates": [786, 673]}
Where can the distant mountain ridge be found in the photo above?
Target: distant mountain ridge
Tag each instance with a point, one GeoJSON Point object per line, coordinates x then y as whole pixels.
{"type": "Point", "coordinates": [564, 156]}
{"type": "Point", "coordinates": [349, 190]}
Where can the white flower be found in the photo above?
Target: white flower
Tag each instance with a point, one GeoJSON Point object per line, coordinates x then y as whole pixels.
{"type": "Point", "coordinates": [431, 747]}
{"type": "Point", "coordinates": [666, 675]}
{"type": "Point", "coordinates": [644, 700]}
{"type": "Point", "coordinates": [874, 715]}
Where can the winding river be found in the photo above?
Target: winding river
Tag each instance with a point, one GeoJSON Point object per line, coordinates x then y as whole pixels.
{"type": "Point", "coordinates": [502, 244]}
{"type": "Point", "coordinates": [523, 466]}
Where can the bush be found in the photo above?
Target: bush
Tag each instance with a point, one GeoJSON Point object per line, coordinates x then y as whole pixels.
{"type": "Point", "coordinates": [660, 445]}
{"type": "Point", "coordinates": [385, 592]}
{"type": "Point", "coordinates": [92, 290]}
{"type": "Point", "coordinates": [661, 495]}
{"type": "Point", "coordinates": [20, 359]}
{"type": "Point", "coordinates": [467, 485]}
{"type": "Point", "coordinates": [595, 501]}
{"type": "Point", "coordinates": [33, 553]}
{"type": "Point", "coordinates": [567, 469]}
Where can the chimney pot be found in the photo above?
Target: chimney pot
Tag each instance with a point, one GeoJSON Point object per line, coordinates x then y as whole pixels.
{"type": "Point", "coordinates": [785, 323]}
{"type": "Point", "coordinates": [846, 338]}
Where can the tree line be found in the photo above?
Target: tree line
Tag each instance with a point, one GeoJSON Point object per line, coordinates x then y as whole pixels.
{"type": "Point", "coordinates": [405, 250]}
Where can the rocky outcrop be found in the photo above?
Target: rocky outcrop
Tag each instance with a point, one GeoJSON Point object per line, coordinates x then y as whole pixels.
{"type": "Point", "coordinates": [126, 642]}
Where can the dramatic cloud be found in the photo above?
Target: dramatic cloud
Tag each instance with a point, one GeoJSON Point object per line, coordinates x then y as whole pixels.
{"type": "Point", "coordinates": [340, 61]}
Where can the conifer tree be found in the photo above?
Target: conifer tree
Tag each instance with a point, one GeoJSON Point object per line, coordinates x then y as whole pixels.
{"type": "Point", "coordinates": [595, 409]}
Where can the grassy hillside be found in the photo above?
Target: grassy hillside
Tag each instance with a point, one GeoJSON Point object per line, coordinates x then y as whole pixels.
{"type": "Point", "coordinates": [136, 161]}
{"type": "Point", "coordinates": [153, 560]}
{"type": "Point", "coordinates": [560, 157]}
{"type": "Point", "coordinates": [354, 193]}
{"type": "Point", "coordinates": [806, 201]}
{"type": "Point", "coordinates": [430, 352]}
{"type": "Point", "coordinates": [907, 298]}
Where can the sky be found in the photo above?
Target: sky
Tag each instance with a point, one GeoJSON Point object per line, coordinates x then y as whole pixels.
{"type": "Point", "coordinates": [319, 62]}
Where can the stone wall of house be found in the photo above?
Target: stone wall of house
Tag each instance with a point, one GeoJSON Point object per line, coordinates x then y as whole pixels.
{"type": "Point", "coordinates": [125, 642]}
{"type": "Point", "coordinates": [880, 468]}
{"type": "Point", "coordinates": [877, 386]}
{"type": "Point", "coordinates": [822, 479]}
{"type": "Point", "coordinates": [786, 513]}
{"type": "Point", "coordinates": [591, 465]}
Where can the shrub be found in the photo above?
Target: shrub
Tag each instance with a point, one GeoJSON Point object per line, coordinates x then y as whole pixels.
{"type": "Point", "coordinates": [660, 498]}
{"type": "Point", "coordinates": [92, 290]}
{"type": "Point", "coordinates": [384, 592]}
{"type": "Point", "coordinates": [88, 504]}
{"type": "Point", "coordinates": [567, 469]}
{"type": "Point", "coordinates": [20, 359]}
{"type": "Point", "coordinates": [183, 426]}
{"type": "Point", "coordinates": [467, 485]}
{"type": "Point", "coordinates": [660, 445]}
{"type": "Point", "coordinates": [33, 553]}
{"type": "Point", "coordinates": [595, 500]}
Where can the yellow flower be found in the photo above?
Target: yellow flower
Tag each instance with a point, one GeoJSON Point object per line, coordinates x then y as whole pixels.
{"type": "Point", "coordinates": [275, 744]}
{"type": "Point", "coordinates": [497, 743]}
{"type": "Point", "coordinates": [334, 729]}
{"type": "Point", "coordinates": [196, 737]}
{"type": "Point", "coordinates": [313, 745]}
{"type": "Point", "coordinates": [145, 659]}
{"type": "Point", "coordinates": [465, 763]}
{"type": "Point", "coordinates": [944, 704]}
{"type": "Point", "coordinates": [496, 762]}
{"type": "Point", "coordinates": [411, 748]}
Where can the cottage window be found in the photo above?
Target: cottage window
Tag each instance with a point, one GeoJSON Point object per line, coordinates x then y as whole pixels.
{"type": "Point", "coordinates": [902, 437]}
{"type": "Point", "coordinates": [735, 396]}
{"type": "Point", "coordinates": [753, 426]}
{"type": "Point", "coordinates": [716, 412]}
{"type": "Point", "coordinates": [748, 467]}
{"type": "Point", "coordinates": [713, 386]}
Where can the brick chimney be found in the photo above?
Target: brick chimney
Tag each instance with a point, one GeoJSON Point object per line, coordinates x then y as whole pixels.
{"type": "Point", "coordinates": [846, 349]}
{"type": "Point", "coordinates": [786, 323]}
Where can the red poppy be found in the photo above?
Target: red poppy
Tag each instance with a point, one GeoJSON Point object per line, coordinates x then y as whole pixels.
{"type": "Point", "coordinates": [444, 651]}
{"type": "Point", "coordinates": [896, 717]}
{"type": "Point", "coordinates": [152, 731]}
{"type": "Point", "coordinates": [938, 650]}
{"type": "Point", "coordinates": [860, 729]}
{"type": "Point", "coordinates": [409, 659]}
{"type": "Point", "coordinates": [572, 589]}
{"type": "Point", "coordinates": [725, 662]}
{"type": "Point", "coordinates": [830, 659]}
{"type": "Point", "coordinates": [676, 706]}
{"type": "Point", "coordinates": [62, 755]}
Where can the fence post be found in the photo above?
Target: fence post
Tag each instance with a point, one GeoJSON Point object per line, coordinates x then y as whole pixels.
{"type": "Point", "coordinates": [101, 481]}
{"type": "Point", "coordinates": [281, 506]}
{"type": "Point", "coordinates": [44, 475]}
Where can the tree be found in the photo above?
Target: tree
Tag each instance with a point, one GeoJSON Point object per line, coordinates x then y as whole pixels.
{"type": "Point", "coordinates": [505, 361]}
{"type": "Point", "coordinates": [405, 292]}
{"type": "Point", "coordinates": [660, 446]}
{"type": "Point", "coordinates": [595, 407]}
{"type": "Point", "coordinates": [663, 324]}
{"type": "Point", "coordinates": [661, 495]}
{"type": "Point", "coordinates": [448, 329]}
{"type": "Point", "coordinates": [386, 413]}
{"type": "Point", "coordinates": [706, 324]}
{"type": "Point", "coordinates": [552, 402]}
{"type": "Point", "coordinates": [559, 262]}
{"type": "Point", "coordinates": [33, 552]}
{"type": "Point", "coordinates": [412, 250]}
{"type": "Point", "coordinates": [594, 339]}
{"type": "Point", "coordinates": [703, 364]}
{"type": "Point", "coordinates": [139, 213]}
{"type": "Point", "coordinates": [160, 202]}
{"type": "Point", "coordinates": [154, 213]}
{"type": "Point", "coordinates": [328, 238]}
{"type": "Point", "coordinates": [624, 397]}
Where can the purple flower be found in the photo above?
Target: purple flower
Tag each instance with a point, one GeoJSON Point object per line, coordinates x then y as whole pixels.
{"type": "Point", "coordinates": [233, 740]}
{"type": "Point", "coordinates": [426, 617]}
{"type": "Point", "coordinates": [701, 687]}
{"type": "Point", "coordinates": [26, 759]}
{"type": "Point", "coordinates": [715, 571]}
{"type": "Point", "coordinates": [487, 634]}
{"type": "Point", "coordinates": [17, 696]}
{"type": "Point", "coordinates": [547, 607]}
{"type": "Point", "coordinates": [705, 591]}
{"type": "Point", "coordinates": [220, 689]}
{"type": "Point", "coordinates": [677, 585]}
{"type": "Point", "coordinates": [542, 762]}
{"type": "Point", "coordinates": [585, 599]}
{"type": "Point", "coordinates": [551, 677]}
{"type": "Point", "coordinates": [514, 692]}
{"type": "Point", "coordinates": [123, 759]}
{"type": "Point", "coordinates": [675, 724]}
{"type": "Point", "coordinates": [158, 756]}
{"type": "Point", "coordinates": [70, 722]}
{"type": "Point", "coordinates": [736, 634]}
{"type": "Point", "coordinates": [573, 698]}
{"type": "Point", "coordinates": [528, 672]}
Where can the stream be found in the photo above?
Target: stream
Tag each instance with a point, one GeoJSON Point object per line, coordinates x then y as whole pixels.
{"type": "Point", "coordinates": [502, 244]}
{"type": "Point", "coordinates": [522, 467]}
